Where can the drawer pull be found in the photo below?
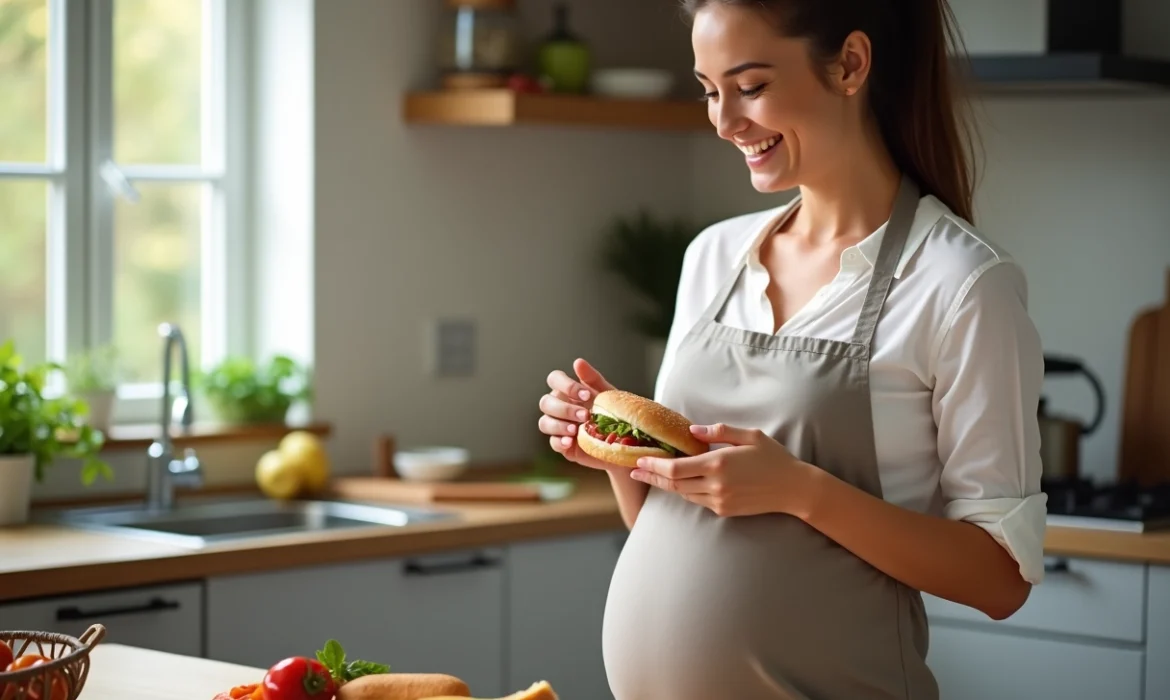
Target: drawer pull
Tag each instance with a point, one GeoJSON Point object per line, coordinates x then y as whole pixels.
{"type": "Point", "coordinates": [479, 561]}
{"type": "Point", "coordinates": [73, 612]}
{"type": "Point", "coordinates": [1056, 566]}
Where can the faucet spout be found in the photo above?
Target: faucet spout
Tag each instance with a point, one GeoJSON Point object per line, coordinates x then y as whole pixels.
{"type": "Point", "coordinates": [164, 472]}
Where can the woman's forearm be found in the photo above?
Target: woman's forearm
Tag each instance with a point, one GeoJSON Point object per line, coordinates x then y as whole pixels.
{"type": "Point", "coordinates": [630, 494]}
{"type": "Point", "coordinates": [949, 559]}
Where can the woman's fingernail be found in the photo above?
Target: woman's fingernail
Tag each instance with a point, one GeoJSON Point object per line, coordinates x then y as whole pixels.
{"type": "Point", "coordinates": [567, 441]}
{"type": "Point", "coordinates": [583, 394]}
{"type": "Point", "coordinates": [572, 428]}
{"type": "Point", "coordinates": [699, 429]}
{"type": "Point", "coordinates": [636, 475]}
{"type": "Point", "coordinates": [582, 414]}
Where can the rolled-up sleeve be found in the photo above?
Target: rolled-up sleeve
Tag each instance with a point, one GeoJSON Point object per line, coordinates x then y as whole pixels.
{"type": "Point", "coordinates": [989, 368]}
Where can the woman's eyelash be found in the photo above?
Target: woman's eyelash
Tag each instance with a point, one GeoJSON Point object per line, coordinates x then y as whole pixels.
{"type": "Point", "coordinates": [745, 92]}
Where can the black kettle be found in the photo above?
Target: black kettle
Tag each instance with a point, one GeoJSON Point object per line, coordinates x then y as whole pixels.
{"type": "Point", "coordinates": [1060, 436]}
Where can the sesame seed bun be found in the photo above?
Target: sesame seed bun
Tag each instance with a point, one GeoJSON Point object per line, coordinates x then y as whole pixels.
{"type": "Point", "coordinates": [652, 418]}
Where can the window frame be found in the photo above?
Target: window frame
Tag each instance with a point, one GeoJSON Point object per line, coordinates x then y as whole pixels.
{"type": "Point", "coordinates": [80, 237]}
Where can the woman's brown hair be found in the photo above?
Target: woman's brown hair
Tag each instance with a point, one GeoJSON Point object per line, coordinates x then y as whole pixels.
{"type": "Point", "coordinates": [913, 92]}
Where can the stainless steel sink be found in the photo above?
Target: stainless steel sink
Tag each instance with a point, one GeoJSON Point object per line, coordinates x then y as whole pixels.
{"type": "Point", "coordinates": [200, 524]}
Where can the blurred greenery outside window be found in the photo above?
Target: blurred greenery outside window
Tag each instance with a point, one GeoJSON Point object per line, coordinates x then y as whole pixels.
{"type": "Point", "coordinates": [118, 181]}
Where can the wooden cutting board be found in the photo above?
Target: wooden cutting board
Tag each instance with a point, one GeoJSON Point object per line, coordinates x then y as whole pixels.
{"type": "Point", "coordinates": [1145, 422]}
{"type": "Point", "coordinates": [390, 490]}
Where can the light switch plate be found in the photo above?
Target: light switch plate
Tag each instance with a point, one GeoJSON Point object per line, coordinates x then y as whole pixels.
{"type": "Point", "coordinates": [454, 348]}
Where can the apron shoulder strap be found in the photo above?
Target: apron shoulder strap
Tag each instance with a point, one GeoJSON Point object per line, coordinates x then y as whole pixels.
{"type": "Point", "coordinates": [890, 252]}
{"type": "Point", "coordinates": [720, 299]}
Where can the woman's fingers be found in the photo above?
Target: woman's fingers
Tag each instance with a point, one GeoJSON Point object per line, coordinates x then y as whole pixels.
{"type": "Point", "coordinates": [556, 405]}
{"type": "Point", "coordinates": [591, 377]}
{"type": "Point", "coordinates": [551, 426]}
{"type": "Point", "coordinates": [566, 385]}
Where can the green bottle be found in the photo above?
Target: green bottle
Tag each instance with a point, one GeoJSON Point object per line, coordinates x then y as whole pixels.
{"type": "Point", "coordinates": [563, 58]}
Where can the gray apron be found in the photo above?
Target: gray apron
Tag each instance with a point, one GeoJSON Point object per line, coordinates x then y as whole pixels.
{"type": "Point", "coordinates": [708, 608]}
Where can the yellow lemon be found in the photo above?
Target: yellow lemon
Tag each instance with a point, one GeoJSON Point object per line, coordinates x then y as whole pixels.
{"type": "Point", "coordinates": [306, 451]}
{"type": "Point", "coordinates": [278, 477]}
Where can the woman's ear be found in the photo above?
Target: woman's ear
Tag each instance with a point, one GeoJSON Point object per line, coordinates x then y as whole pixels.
{"type": "Point", "coordinates": [853, 63]}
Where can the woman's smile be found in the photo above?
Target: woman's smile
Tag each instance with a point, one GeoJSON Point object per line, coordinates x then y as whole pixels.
{"type": "Point", "coordinates": [759, 152]}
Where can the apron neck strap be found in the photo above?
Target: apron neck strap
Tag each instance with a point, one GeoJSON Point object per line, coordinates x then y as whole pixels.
{"type": "Point", "coordinates": [886, 265]}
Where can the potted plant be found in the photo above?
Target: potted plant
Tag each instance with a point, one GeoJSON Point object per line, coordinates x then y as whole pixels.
{"type": "Point", "coordinates": [240, 390]}
{"type": "Point", "coordinates": [35, 430]}
{"type": "Point", "coordinates": [647, 254]}
{"type": "Point", "coordinates": [92, 376]}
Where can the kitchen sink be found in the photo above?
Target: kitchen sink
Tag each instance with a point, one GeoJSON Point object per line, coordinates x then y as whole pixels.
{"type": "Point", "coordinates": [200, 524]}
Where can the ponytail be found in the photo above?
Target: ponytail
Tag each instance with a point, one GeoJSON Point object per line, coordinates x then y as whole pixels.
{"type": "Point", "coordinates": [913, 93]}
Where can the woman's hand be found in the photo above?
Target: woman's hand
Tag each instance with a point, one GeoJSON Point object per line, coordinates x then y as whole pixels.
{"type": "Point", "coordinates": [566, 408]}
{"type": "Point", "coordinates": [754, 475]}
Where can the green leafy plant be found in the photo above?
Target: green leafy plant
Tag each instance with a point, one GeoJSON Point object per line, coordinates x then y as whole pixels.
{"type": "Point", "coordinates": [93, 371]}
{"type": "Point", "coordinates": [333, 658]}
{"type": "Point", "coordinates": [240, 390]}
{"type": "Point", "coordinates": [647, 254]}
{"type": "Point", "coordinates": [46, 428]}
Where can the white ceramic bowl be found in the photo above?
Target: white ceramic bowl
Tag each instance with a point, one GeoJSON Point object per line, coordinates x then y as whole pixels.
{"type": "Point", "coordinates": [633, 83]}
{"type": "Point", "coordinates": [431, 463]}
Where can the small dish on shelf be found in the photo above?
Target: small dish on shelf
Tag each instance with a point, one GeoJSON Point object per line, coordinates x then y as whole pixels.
{"type": "Point", "coordinates": [633, 83]}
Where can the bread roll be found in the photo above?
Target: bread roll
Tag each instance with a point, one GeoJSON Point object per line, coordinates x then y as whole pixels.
{"type": "Point", "coordinates": [403, 686]}
{"type": "Point", "coordinates": [537, 691]}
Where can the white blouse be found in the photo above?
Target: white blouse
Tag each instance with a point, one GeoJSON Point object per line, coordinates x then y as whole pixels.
{"type": "Point", "coordinates": [956, 368]}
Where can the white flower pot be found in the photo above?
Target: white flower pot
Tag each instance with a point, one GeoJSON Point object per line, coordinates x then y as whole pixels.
{"type": "Point", "coordinates": [101, 408]}
{"type": "Point", "coordinates": [16, 478]}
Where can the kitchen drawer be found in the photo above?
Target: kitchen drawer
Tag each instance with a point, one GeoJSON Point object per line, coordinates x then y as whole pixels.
{"type": "Point", "coordinates": [165, 618]}
{"type": "Point", "coordinates": [1078, 596]}
{"type": "Point", "coordinates": [975, 664]}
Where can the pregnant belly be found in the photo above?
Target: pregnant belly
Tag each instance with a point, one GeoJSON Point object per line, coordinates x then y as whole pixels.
{"type": "Point", "coordinates": [765, 606]}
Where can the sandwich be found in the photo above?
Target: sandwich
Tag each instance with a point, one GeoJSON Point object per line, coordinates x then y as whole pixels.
{"type": "Point", "coordinates": [625, 427]}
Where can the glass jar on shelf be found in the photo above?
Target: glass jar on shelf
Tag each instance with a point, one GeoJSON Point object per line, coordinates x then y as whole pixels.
{"type": "Point", "coordinates": [479, 43]}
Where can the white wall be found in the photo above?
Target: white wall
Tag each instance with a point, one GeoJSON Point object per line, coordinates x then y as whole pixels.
{"type": "Point", "coordinates": [1076, 189]}
{"type": "Point", "coordinates": [413, 223]}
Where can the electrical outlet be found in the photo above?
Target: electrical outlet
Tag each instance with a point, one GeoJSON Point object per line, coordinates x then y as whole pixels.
{"type": "Point", "coordinates": [454, 348]}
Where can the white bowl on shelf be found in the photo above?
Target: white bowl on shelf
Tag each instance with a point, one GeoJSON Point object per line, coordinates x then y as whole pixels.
{"type": "Point", "coordinates": [431, 463]}
{"type": "Point", "coordinates": [633, 83]}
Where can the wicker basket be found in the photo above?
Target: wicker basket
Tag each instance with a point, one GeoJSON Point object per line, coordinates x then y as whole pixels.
{"type": "Point", "coordinates": [68, 668]}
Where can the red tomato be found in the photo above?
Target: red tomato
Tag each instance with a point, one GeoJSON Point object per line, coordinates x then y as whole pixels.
{"type": "Point", "coordinates": [298, 678]}
{"type": "Point", "coordinates": [57, 690]}
{"type": "Point", "coordinates": [5, 654]}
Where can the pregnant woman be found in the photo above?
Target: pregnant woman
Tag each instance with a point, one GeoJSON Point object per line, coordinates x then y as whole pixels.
{"type": "Point", "coordinates": [863, 363]}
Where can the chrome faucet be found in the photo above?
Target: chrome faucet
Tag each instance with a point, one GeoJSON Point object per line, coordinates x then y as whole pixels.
{"type": "Point", "coordinates": [163, 471]}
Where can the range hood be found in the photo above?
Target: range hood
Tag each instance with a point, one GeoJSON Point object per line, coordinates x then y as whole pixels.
{"type": "Point", "coordinates": [1075, 44]}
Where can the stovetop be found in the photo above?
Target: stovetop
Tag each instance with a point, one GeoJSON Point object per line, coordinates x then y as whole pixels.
{"type": "Point", "coordinates": [1114, 506]}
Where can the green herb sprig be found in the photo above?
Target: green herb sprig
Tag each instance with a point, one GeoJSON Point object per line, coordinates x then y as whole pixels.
{"type": "Point", "coordinates": [333, 658]}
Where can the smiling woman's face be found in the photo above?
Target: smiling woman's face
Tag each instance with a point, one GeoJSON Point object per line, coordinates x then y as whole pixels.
{"type": "Point", "coordinates": [766, 97]}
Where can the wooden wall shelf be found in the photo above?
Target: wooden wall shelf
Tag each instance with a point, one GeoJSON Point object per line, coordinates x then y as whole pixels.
{"type": "Point", "coordinates": [140, 436]}
{"type": "Point", "coordinates": [503, 107]}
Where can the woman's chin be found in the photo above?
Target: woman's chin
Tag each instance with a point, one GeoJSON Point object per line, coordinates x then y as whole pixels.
{"type": "Point", "coordinates": [769, 182]}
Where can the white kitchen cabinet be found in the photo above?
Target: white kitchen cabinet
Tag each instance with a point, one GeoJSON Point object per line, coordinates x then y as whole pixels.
{"type": "Point", "coordinates": [165, 618]}
{"type": "Point", "coordinates": [975, 664]}
{"type": "Point", "coordinates": [1083, 597]}
{"type": "Point", "coordinates": [1158, 634]}
{"type": "Point", "coordinates": [440, 613]}
{"type": "Point", "coordinates": [556, 600]}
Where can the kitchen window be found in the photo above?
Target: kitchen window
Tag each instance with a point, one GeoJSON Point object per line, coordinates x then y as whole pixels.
{"type": "Point", "coordinates": [121, 175]}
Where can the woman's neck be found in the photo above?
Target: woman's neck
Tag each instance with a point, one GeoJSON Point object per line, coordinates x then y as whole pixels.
{"type": "Point", "coordinates": [853, 198]}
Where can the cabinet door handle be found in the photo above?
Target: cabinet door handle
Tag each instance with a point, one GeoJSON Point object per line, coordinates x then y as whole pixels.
{"type": "Point", "coordinates": [1056, 566]}
{"type": "Point", "coordinates": [479, 561]}
{"type": "Point", "coordinates": [156, 604]}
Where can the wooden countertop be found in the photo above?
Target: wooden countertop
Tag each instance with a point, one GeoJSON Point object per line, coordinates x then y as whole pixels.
{"type": "Point", "coordinates": [120, 672]}
{"type": "Point", "coordinates": [40, 560]}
